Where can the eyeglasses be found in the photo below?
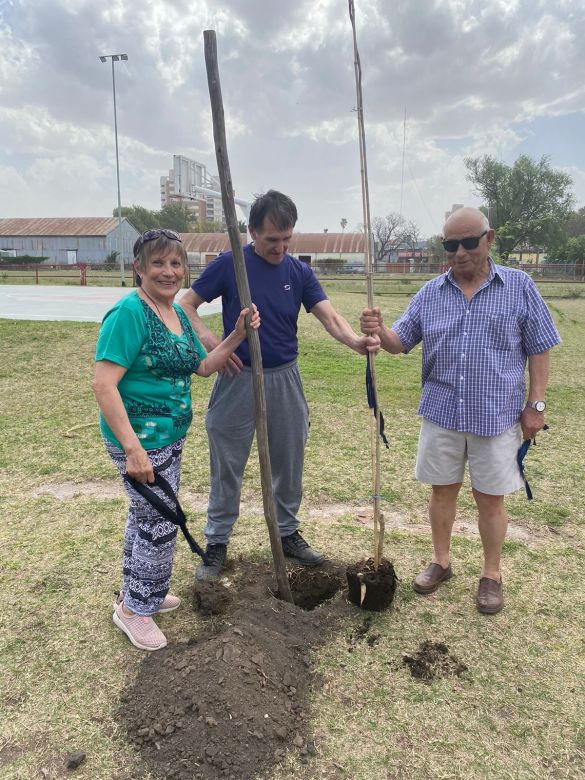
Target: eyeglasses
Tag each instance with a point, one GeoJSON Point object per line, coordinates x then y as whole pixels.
{"type": "Point", "coordinates": [187, 355]}
{"type": "Point", "coordinates": [452, 244]}
{"type": "Point", "coordinates": [152, 235]}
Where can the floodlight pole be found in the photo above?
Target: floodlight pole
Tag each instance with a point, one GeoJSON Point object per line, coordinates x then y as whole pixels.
{"type": "Point", "coordinates": [115, 58]}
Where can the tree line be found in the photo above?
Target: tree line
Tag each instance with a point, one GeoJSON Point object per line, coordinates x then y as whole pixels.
{"type": "Point", "coordinates": [173, 216]}
{"type": "Point", "coordinates": [529, 205]}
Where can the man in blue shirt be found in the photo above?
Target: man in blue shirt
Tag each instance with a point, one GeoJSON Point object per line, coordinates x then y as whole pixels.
{"type": "Point", "coordinates": [479, 324]}
{"type": "Point", "coordinates": [279, 285]}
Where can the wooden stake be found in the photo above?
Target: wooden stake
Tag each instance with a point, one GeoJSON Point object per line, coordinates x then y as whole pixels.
{"type": "Point", "coordinates": [374, 422]}
{"type": "Point", "coordinates": [229, 208]}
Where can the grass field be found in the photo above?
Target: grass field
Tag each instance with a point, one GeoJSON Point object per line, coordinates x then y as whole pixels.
{"type": "Point", "coordinates": [517, 713]}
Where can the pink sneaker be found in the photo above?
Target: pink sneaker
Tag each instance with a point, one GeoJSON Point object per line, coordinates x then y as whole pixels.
{"type": "Point", "coordinates": [141, 631]}
{"type": "Point", "coordinates": [169, 604]}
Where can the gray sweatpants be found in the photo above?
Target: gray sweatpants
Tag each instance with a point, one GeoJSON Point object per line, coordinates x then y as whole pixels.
{"type": "Point", "coordinates": [230, 424]}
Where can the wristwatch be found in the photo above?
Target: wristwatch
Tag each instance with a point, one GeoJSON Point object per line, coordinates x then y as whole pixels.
{"type": "Point", "coordinates": [540, 406]}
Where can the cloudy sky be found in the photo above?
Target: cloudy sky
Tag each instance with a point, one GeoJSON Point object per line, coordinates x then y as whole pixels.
{"type": "Point", "coordinates": [501, 78]}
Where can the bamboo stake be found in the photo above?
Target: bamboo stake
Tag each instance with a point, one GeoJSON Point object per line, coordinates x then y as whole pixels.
{"type": "Point", "coordinates": [229, 208]}
{"type": "Point", "coordinates": [379, 525]}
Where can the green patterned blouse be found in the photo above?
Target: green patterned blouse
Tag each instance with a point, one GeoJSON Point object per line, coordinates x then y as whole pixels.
{"type": "Point", "coordinates": [156, 388]}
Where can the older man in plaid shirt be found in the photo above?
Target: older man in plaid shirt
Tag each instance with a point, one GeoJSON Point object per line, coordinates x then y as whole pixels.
{"type": "Point", "coordinates": [479, 324]}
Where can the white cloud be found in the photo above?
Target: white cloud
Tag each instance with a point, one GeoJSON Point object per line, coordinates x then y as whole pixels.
{"type": "Point", "coordinates": [467, 73]}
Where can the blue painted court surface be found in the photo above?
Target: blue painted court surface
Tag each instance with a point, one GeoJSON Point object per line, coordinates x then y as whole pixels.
{"type": "Point", "coordinates": [75, 304]}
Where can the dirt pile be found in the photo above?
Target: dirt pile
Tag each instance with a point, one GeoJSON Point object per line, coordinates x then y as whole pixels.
{"type": "Point", "coordinates": [232, 703]}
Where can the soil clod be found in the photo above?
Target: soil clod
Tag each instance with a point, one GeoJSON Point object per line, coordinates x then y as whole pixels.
{"type": "Point", "coordinates": [75, 760]}
{"type": "Point", "coordinates": [433, 660]}
{"type": "Point", "coordinates": [211, 597]}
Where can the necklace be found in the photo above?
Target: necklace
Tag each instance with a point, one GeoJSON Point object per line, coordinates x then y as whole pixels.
{"type": "Point", "coordinates": [155, 306]}
{"type": "Point", "coordinates": [192, 357]}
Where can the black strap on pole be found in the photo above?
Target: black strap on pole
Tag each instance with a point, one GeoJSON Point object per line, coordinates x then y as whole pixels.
{"type": "Point", "coordinates": [176, 516]}
{"type": "Point", "coordinates": [520, 455]}
{"type": "Point", "coordinates": [373, 402]}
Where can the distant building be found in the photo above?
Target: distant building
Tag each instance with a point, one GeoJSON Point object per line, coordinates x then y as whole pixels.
{"type": "Point", "coordinates": [345, 250]}
{"type": "Point", "coordinates": [202, 248]}
{"type": "Point", "coordinates": [181, 187]}
{"type": "Point", "coordinates": [67, 241]}
{"type": "Point", "coordinates": [414, 258]}
{"type": "Point", "coordinates": [316, 248]}
{"type": "Point", "coordinates": [526, 255]}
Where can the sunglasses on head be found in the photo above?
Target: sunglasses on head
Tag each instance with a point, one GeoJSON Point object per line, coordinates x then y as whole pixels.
{"type": "Point", "coordinates": [152, 235]}
{"type": "Point", "coordinates": [452, 244]}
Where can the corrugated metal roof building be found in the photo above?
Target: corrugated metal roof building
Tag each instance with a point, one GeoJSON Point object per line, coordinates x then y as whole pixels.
{"type": "Point", "coordinates": [67, 241]}
{"type": "Point", "coordinates": [314, 248]}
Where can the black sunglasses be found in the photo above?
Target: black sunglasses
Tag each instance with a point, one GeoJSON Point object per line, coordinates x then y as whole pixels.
{"type": "Point", "coordinates": [452, 244]}
{"type": "Point", "coordinates": [152, 235]}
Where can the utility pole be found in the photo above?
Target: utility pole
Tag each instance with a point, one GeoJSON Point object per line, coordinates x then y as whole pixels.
{"type": "Point", "coordinates": [115, 58]}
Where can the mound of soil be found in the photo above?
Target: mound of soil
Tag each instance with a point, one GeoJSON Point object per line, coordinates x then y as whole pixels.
{"type": "Point", "coordinates": [433, 660]}
{"type": "Point", "coordinates": [231, 703]}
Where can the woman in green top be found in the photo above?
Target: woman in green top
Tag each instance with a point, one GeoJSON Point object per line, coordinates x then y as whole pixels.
{"type": "Point", "coordinates": [145, 355]}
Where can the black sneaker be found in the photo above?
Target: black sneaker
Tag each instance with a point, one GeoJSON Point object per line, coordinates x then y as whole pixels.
{"type": "Point", "coordinates": [216, 555]}
{"type": "Point", "coordinates": [294, 546]}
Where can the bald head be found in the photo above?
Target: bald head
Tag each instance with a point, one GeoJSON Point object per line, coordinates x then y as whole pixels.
{"type": "Point", "coordinates": [467, 239]}
{"type": "Point", "coordinates": [466, 222]}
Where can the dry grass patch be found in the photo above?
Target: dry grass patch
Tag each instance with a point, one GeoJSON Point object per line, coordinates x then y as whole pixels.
{"type": "Point", "coordinates": [517, 711]}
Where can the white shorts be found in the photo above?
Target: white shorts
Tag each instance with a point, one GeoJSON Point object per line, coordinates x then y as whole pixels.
{"type": "Point", "coordinates": [493, 468]}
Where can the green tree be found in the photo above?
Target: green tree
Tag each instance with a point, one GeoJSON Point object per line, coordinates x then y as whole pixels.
{"type": "Point", "coordinates": [177, 217]}
{"type": "Point", "coordinates": [435, 251]}
{"type": "Point", "coordinates": [557, 248]}
{"type": "Point", "coordinates": [111, 260]}
{"type": "Point", "coordinates": [141, 218]}
{"type": "Point", "coordinates": [174, 216]}
{"type": "Point", "coordinates": [21, 260]}
{"type": "Point", "coordinates": [576, 223]}
{"type": "Point", "coordinates": [331, 265]}
{"type": "Point", "coordinates": [210, 227]}
{"type": "Point", "coordinates": [529, 202]}
{"type": "Point", "coordinates": [576, 249]}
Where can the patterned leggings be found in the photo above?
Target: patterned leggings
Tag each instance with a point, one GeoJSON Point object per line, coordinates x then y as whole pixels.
{"type": "Point", "coordinates": [149, 539]}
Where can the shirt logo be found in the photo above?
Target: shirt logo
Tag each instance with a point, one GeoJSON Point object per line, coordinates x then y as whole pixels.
{"type": "Point", "coordinates": [287, 286]}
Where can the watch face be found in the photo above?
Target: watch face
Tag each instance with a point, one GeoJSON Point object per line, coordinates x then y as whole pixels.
{"type": "Point", "coordinates": [540, 406]}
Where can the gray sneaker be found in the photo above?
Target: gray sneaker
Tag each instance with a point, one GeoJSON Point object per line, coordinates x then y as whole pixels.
{"type": "Point", "coordinates": [295, 547]}
{"type": "Point", "coordinates": [216, 555]}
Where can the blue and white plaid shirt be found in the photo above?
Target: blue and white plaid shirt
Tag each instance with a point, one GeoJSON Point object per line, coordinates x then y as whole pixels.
{"type": "Point", "coordinates": [474, 352]}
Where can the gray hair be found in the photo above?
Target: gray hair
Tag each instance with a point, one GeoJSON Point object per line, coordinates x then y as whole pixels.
{"type": "Point", "coordinates": [160, 246]}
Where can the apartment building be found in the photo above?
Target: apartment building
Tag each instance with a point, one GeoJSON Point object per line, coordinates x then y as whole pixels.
{"type": "Point", "coordinates": [186, 184]}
